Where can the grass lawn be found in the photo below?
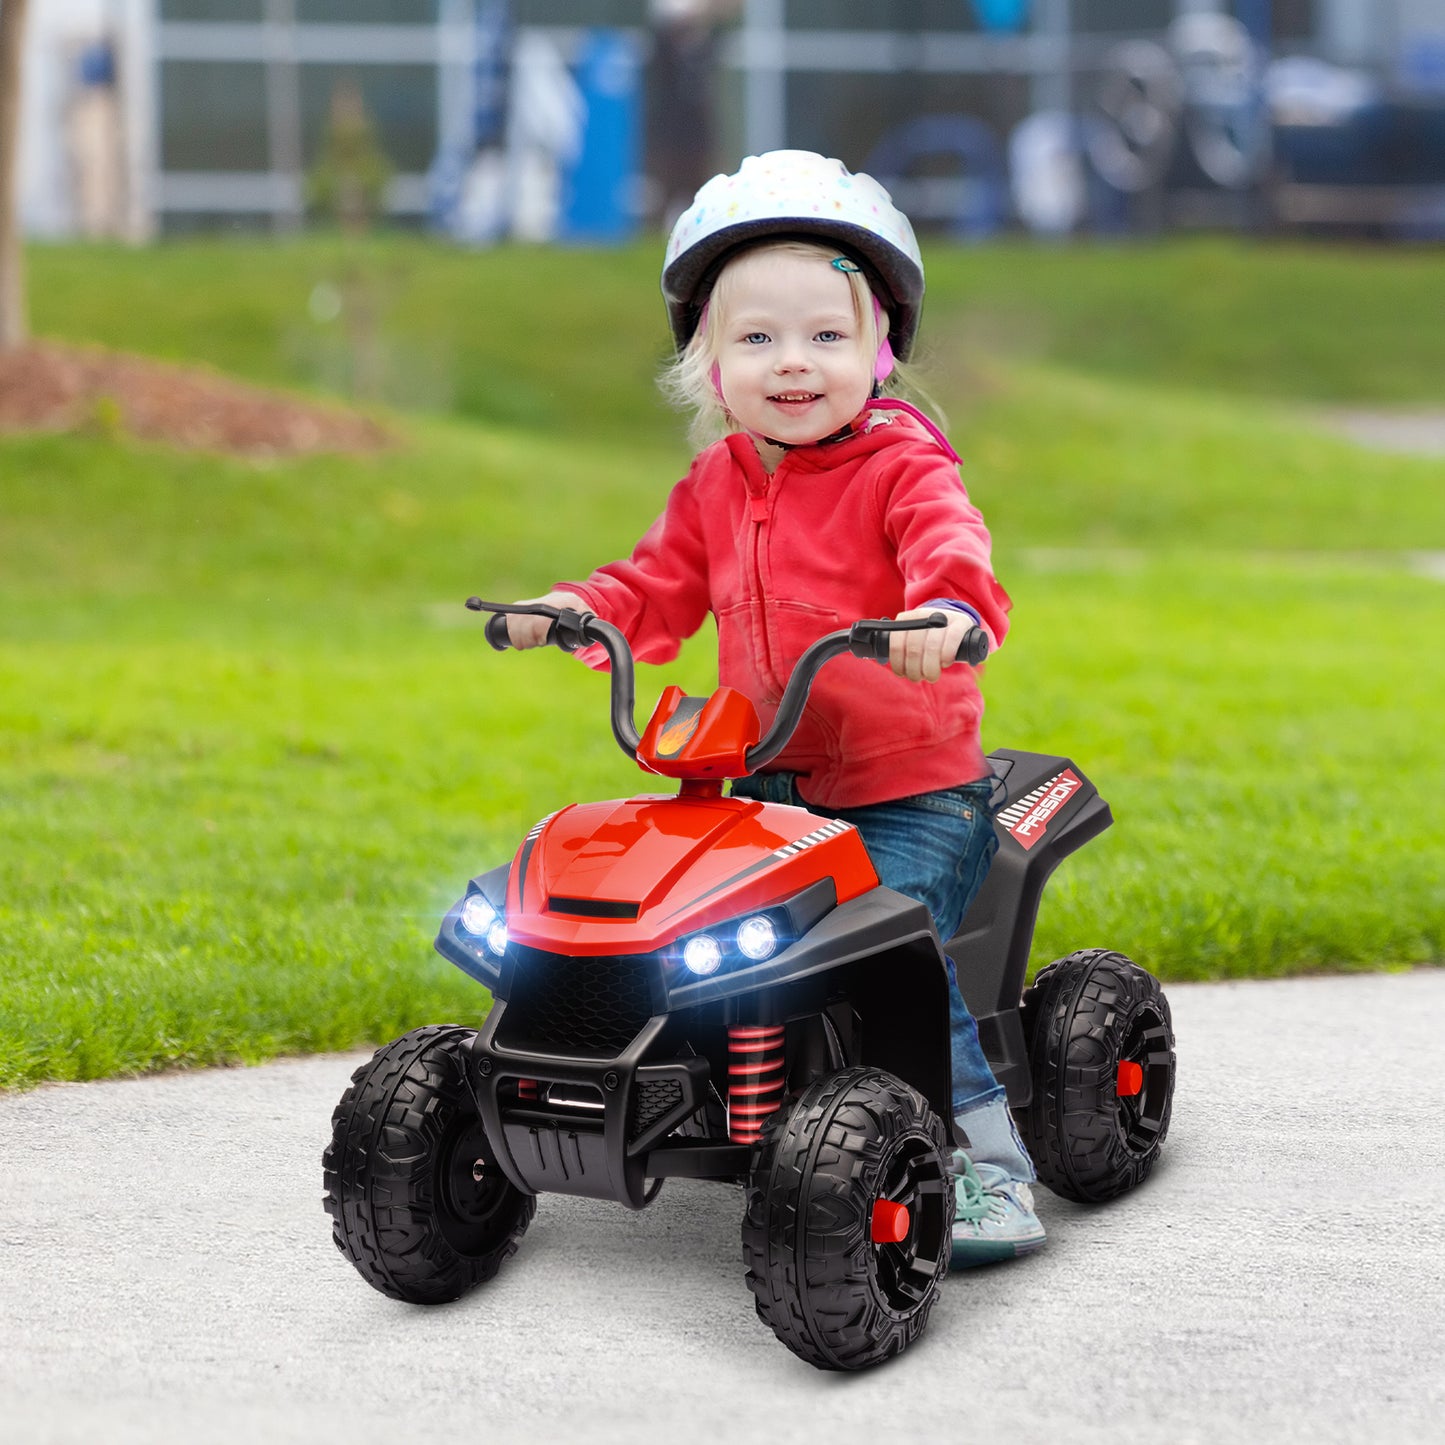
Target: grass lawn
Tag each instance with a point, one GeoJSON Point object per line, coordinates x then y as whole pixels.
{"type": "Point", "coordinates": [251, 745]}
{"type": "Point", "coordinates": [568, 341]}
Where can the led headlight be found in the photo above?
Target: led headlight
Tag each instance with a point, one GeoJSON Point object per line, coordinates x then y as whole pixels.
{"type": "Point", "coordinates": [702, 955]}
{"type": "Point", "coordinates": [477, 915]}
{"type": "Point", "coordinates": [483, 921]}
{"type": "Point", "coordinates": [757, 938]}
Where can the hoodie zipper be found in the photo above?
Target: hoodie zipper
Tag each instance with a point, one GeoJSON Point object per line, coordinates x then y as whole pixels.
{"type": "Point", "coordinates": [759, 508]}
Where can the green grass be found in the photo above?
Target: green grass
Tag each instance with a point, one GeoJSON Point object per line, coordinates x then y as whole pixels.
{"type": "Point", "coordinates": [1308, 323]}
{"type": "Point", "coordinates": [251, 745]}
{"type": "Point", "coordinates": [568, 341]}
{"type": "Point", "coordinates": [1262, 731]}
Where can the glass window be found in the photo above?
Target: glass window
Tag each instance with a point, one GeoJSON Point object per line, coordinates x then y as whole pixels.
{"type": "Point", "coordinates": [906, 15]}
{"type": "Point", "coordinates": [400, 101]}
{"type": "Point", "coordinates": [1289, 19]}
{"type": "Point", "coordinates": [366, 12]}
{"type": "Point", "coordinates": [1122, 17]}
{"type": "Point", "coordinates": [569, 12]}
{"type": "Point", "coordinates": [213, 116]}
{"type": "Point", "coordinates": [228, 10]}
{"type": "Point", "coordinates": [210, 223]}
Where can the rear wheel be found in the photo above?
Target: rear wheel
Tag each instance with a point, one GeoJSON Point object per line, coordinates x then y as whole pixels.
{"type": "Point", "coordinates": [1101, 1052]}
{"type": "Point", "coordinates": [416, 1199]}
{"type": "Point", "coordinates": [849, 1210]}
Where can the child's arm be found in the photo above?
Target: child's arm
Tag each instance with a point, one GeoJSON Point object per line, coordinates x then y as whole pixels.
{"type": "Point", "coordinates": [659, 594]}
{"type": "Point", "coordinates": [943, 551]}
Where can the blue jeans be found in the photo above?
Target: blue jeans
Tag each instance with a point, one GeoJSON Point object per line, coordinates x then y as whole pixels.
{"type": "Point", "coordinates": [935, 847]}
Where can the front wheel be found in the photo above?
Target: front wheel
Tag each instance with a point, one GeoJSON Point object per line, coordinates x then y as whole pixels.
{"type": "Point", "coordinates": [416, 1200]}
{"type": "Point", "coordinates": [846, 1233]}
{"type": "Point", "coordinates": [1101, 1052]}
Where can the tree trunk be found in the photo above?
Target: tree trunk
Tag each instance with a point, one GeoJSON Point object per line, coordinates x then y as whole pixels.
{"type": "Point", "coordinates": [13, 328]}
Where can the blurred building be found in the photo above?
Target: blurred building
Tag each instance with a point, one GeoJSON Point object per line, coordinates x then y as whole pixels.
{"type": "Point", "coordinates": [1062, 114]}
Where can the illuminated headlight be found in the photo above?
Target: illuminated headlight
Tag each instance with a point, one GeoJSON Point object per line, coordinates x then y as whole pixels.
{"type": "Point", "coordinates": [477, 915]}
{"type": "Point", "coordinates": [757, 938]}
{"type": "Point", "coordinates": [702, 955]}
{"type": "Point", "coordinates": [483, 921]}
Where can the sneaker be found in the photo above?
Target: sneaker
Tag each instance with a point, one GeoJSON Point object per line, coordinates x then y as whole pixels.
{"type": "Point", "coordinates": [993, 1217]}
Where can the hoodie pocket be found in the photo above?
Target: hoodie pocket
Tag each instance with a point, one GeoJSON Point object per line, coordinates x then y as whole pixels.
{"type": "Point", "coordinates": [758, 646]}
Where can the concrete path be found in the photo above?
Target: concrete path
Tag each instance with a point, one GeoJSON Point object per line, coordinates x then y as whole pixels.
{"type": "Point", "coordinates": [1420, 433]}
{"type": "Point", "coordinates": [167, 1274]}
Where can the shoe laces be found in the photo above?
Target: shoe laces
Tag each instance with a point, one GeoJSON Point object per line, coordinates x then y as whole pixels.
{"type": "Point", "coordinates": [977, 1202]}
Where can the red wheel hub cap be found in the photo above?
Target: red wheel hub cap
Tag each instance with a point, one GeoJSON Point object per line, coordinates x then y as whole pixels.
{"type": "Point", "coordinates": [890, 1222]}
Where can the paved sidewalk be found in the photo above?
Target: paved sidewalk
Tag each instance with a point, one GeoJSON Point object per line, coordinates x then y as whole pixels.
{"type": "Point", "coordinates": [167, 1274]}
{"type": "Point", "coordinates": [1421, 433]}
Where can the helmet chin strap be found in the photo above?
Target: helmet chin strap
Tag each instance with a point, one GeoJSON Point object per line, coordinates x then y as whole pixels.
{"type": "Point", "coordinates": [883, 362]}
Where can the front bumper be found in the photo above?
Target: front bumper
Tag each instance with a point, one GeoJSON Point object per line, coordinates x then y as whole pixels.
{"type": "Point", "coordinates": [592, 1126]}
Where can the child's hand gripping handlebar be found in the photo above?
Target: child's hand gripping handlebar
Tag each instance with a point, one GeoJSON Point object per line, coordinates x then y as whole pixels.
{"type": "Point", "coordinates": [870, 638]}
{"type": "Point", "coordinates": [571, 630]}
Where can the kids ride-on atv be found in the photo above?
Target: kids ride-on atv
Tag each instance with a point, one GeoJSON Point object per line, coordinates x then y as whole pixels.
{"type": "Point", "coordinates": [708, 987]}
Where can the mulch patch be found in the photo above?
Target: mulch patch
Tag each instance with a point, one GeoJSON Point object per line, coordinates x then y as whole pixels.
{"type": "Point", "coordinates": [47, 386]}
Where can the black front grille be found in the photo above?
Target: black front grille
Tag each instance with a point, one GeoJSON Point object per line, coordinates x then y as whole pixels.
{"type": "Point", "coordinates": [576, 1005]}
{"type": "Point", "coordinates": [592, 907]}
{"type": "Point", "coordinates": [652, 1099]}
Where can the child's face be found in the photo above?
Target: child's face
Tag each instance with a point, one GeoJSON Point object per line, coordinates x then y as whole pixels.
{"type": "Point", "coordinates": [791, 363]}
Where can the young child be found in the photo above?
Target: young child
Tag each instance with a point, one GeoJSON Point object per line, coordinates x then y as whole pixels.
{"type": "Point", "coordinates": [791, 287]}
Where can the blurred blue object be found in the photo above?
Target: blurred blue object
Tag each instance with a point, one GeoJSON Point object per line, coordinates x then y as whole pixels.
{"type": "Point", "coordinates": [1422, 64]}
{"type": "Point", "coordinates": [484, 130]}
{"type": "Point", "coordinates": [1384, 143]}
{"type": "Point", "coordinates": [95, 66]}
{"type": "Point", "coordinates": [1347, 152]}
{"type": "Point", "coordinates": [1006, 17]}
{"type": "Point", "coordinates": [493, 40]}
{"type": "Point", "coordinates": [600, 193]}
{"type": "Point", "coordinates": [973, 207]}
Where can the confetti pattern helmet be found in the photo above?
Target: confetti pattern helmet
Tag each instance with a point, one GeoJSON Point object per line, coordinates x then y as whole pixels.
{"type": "Point", "coordinates": [802, 194]}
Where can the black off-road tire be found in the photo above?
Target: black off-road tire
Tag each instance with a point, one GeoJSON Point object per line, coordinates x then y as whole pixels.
{"type": "Point", "coordinates": [1081, 1017]}
{"type": "Point", "coordinates": [828, 1292]}
{"type": "Point", "coordinates": [406, 1145]}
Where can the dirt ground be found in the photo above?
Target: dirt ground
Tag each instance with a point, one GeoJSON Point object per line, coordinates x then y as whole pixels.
{"type": "Point", "coordinates": [47, 386]}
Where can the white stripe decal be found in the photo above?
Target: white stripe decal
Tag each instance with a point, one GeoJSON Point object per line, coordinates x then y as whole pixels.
{"type": "Point", "coordinates": [808, 840]}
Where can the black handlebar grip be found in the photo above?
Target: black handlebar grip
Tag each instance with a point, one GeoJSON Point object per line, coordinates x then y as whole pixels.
{"type": "Point", "coordinates": [974, 647]}
{"type": "Point", "coordinates": [870, 645]}
{"type": "Point", "coordinates": [496, 632]}
{"type": "Point", "coordinates": [870, 639]}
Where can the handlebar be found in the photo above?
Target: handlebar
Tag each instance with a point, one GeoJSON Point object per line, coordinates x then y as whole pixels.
{"type": "Point", "coordinates": [572, 630]}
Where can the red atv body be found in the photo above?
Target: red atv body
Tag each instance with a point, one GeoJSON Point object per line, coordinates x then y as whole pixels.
{"type": "Point", "coordinates": [710, 987]}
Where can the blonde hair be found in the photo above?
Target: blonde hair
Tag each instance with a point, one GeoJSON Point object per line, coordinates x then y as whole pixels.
{"type": "Point", "coordinates": [687, 382]}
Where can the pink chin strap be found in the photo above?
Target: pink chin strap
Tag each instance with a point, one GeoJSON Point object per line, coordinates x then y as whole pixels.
{"type": "Point", "coordinates": [894, 403]}
{"type": "Point", "coordinates": [715, 375]}
{"type": "Point", "coordinates": [883, 362]}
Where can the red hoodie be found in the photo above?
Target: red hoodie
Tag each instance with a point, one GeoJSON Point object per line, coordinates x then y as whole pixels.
{"type": "Point", "coordinates": [866, 527]}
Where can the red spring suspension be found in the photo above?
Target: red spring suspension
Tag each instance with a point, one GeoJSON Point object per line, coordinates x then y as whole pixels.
{"type": "Point", "coordinates": [755, 1078]}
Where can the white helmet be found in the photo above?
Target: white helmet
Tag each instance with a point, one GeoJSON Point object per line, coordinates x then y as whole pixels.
{"type": "Point", "coordinates": [794, 193]}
